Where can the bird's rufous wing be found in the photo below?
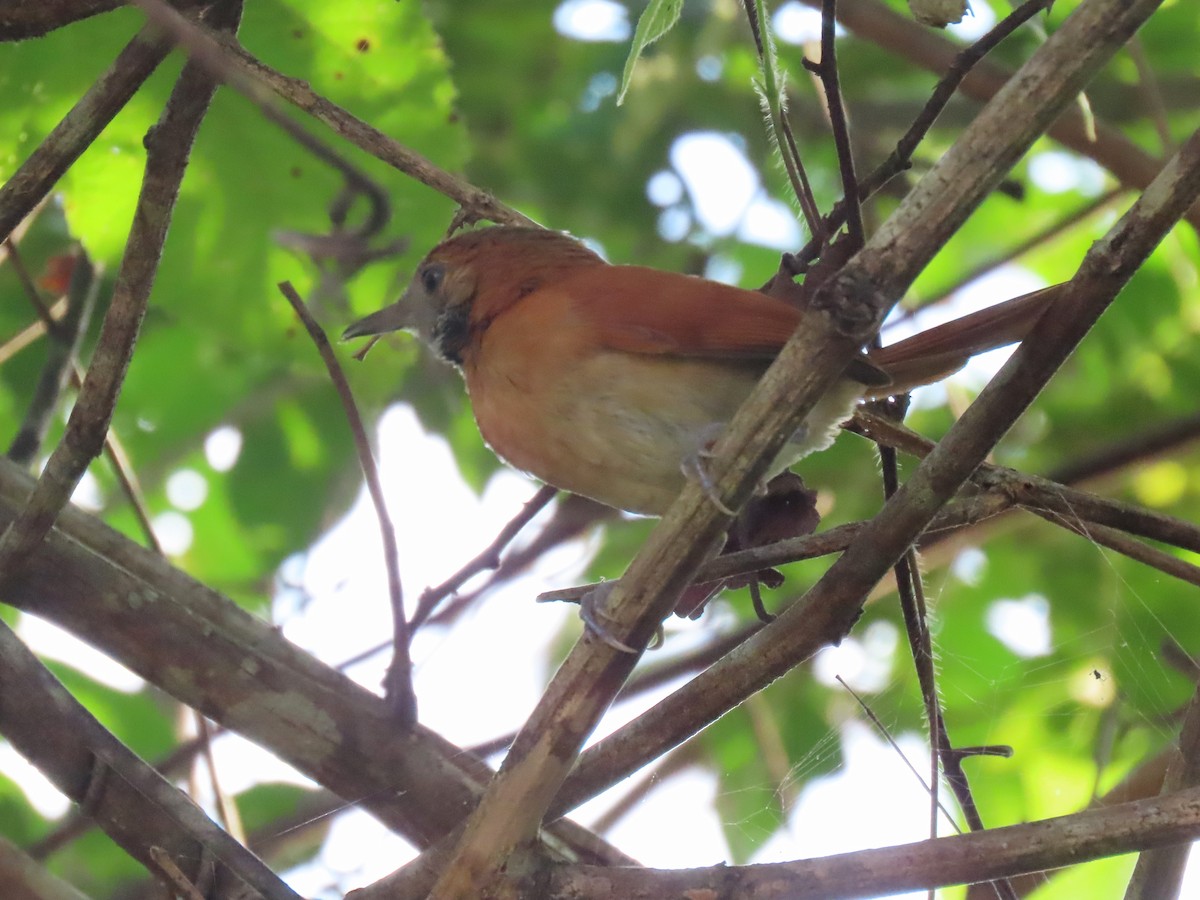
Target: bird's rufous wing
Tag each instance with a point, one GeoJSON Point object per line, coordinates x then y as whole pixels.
{"type": "Point", "coordinates": [639, 310]}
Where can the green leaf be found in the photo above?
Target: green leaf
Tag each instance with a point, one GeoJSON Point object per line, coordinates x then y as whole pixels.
{"type": "Point", "coordinates": [659, 18]}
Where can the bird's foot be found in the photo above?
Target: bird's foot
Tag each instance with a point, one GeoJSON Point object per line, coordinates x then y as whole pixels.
{"type": "Point", "coordinates": [694, 468]}
{"type": "Point", "coordinates": [592, 613]}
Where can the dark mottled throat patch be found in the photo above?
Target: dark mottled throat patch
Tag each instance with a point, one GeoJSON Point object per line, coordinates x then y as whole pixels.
{"type": "Point", "coordinates": [452, 331]}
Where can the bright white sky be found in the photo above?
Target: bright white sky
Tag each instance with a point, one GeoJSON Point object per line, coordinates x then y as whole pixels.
{"type": "Point", "coordinates": [499, 644]}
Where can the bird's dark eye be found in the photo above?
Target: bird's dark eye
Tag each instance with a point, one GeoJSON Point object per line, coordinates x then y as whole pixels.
{"type": "Point", "coordinates": [431, 278]}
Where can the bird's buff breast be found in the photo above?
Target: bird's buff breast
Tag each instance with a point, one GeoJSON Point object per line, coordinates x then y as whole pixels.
{"type": "Point", "coordinates": [618, 427]}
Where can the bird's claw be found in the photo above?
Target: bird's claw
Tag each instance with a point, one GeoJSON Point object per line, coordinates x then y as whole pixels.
{"type": "Point", "coordinates": [693, 467]}
{"type": "Point", "coordinates": [590, 614]}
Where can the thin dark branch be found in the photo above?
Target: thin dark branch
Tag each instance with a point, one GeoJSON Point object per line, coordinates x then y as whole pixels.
{"type": "Point", "coordinates": [49, 321]}
{"type": "Point", "coordinates": [1137, 449]}
{"type": "Point", "coordinates": [916, 626]}
{"type": "Point", "coordinates": [1125, 545]}
{"type": "Point", "coordinates": [827, 71]}
{"type": "Point", "coordinates": [399, 674]}
{"type": "Point", "coordinates": [916, 622]}
{"type": "Point", "coordinates": [775, 97]}
{"type": "Point", "coordinates": [1033, 242]}
{"type": "Point", "coordinates": [114, 450]}
{"type": "Point", "coordinates": [488, 558]}
{"type": "Point", "coordinates": [1151, 92]}
{"type": "Point", "coordinates": [227, 811]}
{"type": "Point", "coordinates": [957, 515]}
{"type": "Point", "coordinates": [1037, 493]}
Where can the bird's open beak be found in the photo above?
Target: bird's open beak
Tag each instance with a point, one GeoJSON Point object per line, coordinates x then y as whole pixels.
{"type": "Point", "coordinates": [390, 318]}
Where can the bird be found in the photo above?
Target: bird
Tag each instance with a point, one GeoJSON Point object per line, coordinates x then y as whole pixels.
{"type": "Point", "coordinates": [612, 381]}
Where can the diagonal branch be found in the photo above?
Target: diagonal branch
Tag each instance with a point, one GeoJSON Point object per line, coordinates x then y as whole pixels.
{"type": "Point", "coordinates": [62, 346]}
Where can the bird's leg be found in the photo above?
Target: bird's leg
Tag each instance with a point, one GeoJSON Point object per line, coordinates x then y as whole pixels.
{"type": "Point", "coordinates": [693, 466]}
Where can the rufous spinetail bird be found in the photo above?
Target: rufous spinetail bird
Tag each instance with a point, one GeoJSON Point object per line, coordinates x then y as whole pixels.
{"type": "Point", "coordinates": [611, 381]}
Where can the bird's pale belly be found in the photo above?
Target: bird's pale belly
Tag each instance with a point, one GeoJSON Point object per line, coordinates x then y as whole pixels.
{"type": "Point", "coordinates": [620, 428]}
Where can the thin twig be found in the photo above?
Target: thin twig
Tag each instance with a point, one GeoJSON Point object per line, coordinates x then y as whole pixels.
{"type": "Point", "coordinates": [227, 809]}
{"type": "Point", "coordinates": [114, 450]}
{"type": "Point", "coordinates": [1125, 545]}
{"type": "Point", "coordinates": [399, 674]}
{"type": "Point", "coordinates": [488, 558]}
{"type": "Point", "coordinates": [1037, 493]}
{"type": "Point", "coordinates": [50, 323]}
{"type": "Point", "coordinates": [901, 157]}
{"type": "Point", "coordinates": [827, 71]}
{"type": "Point", "coordinates": [957, 515]}
{"type": "Point", "coordinates": [912, 607]}
{"type": "Point", "coordinates": [887, 736]}
{"type": "Point", "coordinates": [1149, 88]}
{"type": "Point", "coordinates": [1033, 242]}
{"type": "Point", "coordinates": [173, 875]}
{"type": "Point", "coordinates": [65, 338]}
{"type": "Point", "coordinates": [1147, 443]}
{"type": "Point", "coordinates": [29, 334]}
{"type": "Point", "coordinates": [916, 621]}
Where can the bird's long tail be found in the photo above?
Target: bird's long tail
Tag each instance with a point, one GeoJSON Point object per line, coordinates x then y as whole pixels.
{"type": "Point", "coordinates": [941, 351]}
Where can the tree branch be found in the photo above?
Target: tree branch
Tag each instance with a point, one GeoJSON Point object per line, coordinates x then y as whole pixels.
{"type": "Point", "coordinates": [136, 806]}
{"type": "Point", "coordinates": [996, 853]}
